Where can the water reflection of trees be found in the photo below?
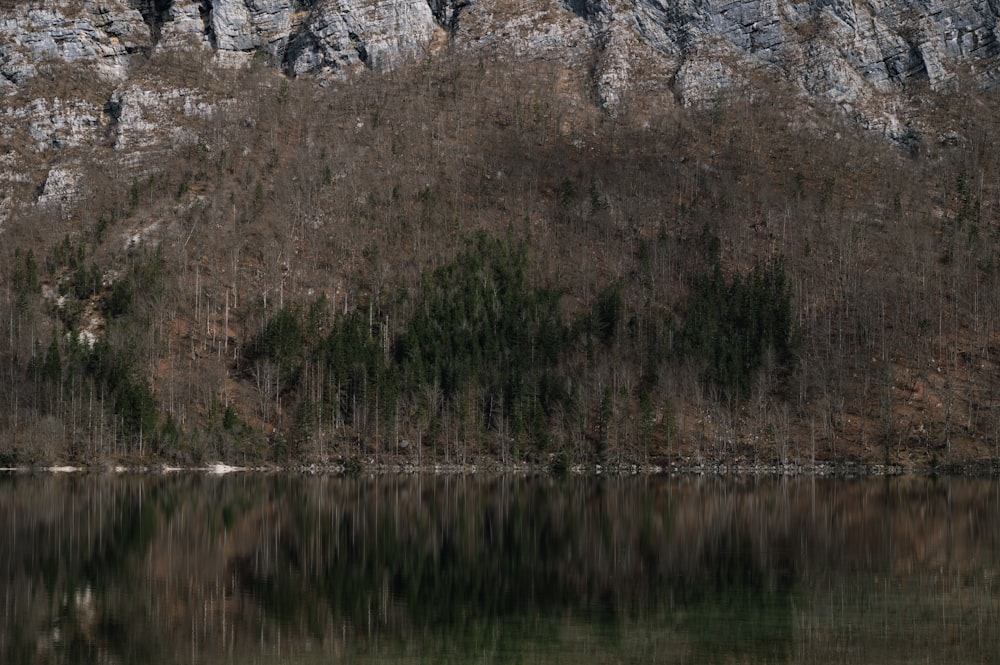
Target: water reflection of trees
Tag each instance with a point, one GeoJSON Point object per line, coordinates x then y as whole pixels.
{"type": "Point", "coordinates": [167, 568]}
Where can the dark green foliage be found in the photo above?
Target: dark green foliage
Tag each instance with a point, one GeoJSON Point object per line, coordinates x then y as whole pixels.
{"type": "Point", "coordinates": [566, 192]}
{"type": "Point", "coordinates": [282, 341]}
{"type": "Point", "coordinates": [608, 313]}
{"type": "Point", "coordinates": [356, 360]}
{"type": "Point", "coordinates": [597, 201]}
{"type": "Point", "coordinates": [481, 335]}
{"type": "Point", "coordinates": [64, 254]}
{"type": "Point", "coordinates": [105, 373]}
{"type": "Point", "coordinates": [52, 365]}
{"type": "Point", "coordinates": [136, 406]}
{"type": "Point", "coordinates": [968, 204]}
{"type": "Point", "coordinates": [104, 221]}
{"type": "Point", "coordinates": [653, 333]}
{"type": "Point", "coordinates": [119, 301]}
{"type": "Point", "coordinates": [481, 324]}
{"type": "Point", "coordinates": [229, 418]}
{"type": "Point", "coordinates": [143, 281]}
{"type": "Point", "coordinates": [85, 281]}
{"type": "Point", "coordinates": [114, 372]}
{"type": "Point", "coordinates": [559, 465]}
{"type": "Point", "coordinates": [290, 337]}
{"type": "Point", "coordinates": [25, 276]}
{"type": "Point", "coordinates": [731, 325]}
{"type": "Point", "coordinates": [108, 366]}
{"type": "Point", "coordinates": [329, 366]}
{"type": "Point", "coordinates": [170, 435]}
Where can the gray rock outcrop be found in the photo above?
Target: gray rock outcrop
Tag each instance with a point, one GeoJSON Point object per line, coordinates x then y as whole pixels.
{"type": "Point", "coordinates": [853, 54]}
{"type": "Point", "coordinates": [105, 33]}
{"type": "Point", "coordinates": [838, 49]}
{"type": "Point", "coordinates": [342, 34]}
{"type": "Point", "coordinates": [245, 25]}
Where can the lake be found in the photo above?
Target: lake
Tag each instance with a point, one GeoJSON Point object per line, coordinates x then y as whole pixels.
{"type": "Point", "coordinates": [258, 568]}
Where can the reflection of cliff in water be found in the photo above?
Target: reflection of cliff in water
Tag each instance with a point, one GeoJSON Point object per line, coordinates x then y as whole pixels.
{"type": "Point", "coordinates": [162, 569]}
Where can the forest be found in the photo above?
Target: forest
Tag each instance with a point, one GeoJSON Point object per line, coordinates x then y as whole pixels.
{"type": "Point", "coordinates": [467, 263]}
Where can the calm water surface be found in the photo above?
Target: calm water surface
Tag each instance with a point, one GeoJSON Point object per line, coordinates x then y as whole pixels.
{"type": "Point", "coordinates": [283, 569]}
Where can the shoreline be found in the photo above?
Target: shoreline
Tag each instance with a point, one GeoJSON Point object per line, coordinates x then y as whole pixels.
{"type": "Point", "coordinates": [352, 468]}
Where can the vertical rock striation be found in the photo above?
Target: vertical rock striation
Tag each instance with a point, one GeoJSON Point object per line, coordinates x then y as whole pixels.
{"type": "Point", "coordinates": [341, 34]}
{"type": "Point", "coordinates": [854, 54]}
{"type": "Point", "coordinates": [105, 33]}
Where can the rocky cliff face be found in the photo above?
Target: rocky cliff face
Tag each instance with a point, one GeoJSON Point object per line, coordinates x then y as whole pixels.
{"type": "Point", "coordinates": [342, 34]}
{"type": "Point", "coordinates": [867, 58]}
{"type": "Point", "coordinates": [840, 50]}
{"type": "Point", "coordinates": [854, 54]}
{"type": "Point", "coordinates": [105, 34]}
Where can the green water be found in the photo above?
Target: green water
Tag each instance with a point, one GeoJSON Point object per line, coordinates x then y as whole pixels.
{"type": "Point", "coordinates": [283, 569]}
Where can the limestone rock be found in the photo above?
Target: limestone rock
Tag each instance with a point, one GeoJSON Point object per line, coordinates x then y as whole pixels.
{"type": "Point", "coordinates": [147, 118]}
{"type": "Point", "coordinates": [185, 24]}
{"type": "Point", "coordinates": [102, 32]}
{"type": "Point", "coordinates": [859, 56]}
{"type": "Point", "coordinates": [245, 25]}
{"type": "Point", "coordinates": [51, 123]}
{"type": "Point", "coordinates": [525, 28]}
{"type": "Point", "coordinates": [60, 187]}
{"type": "Point", "coordinates": [342, 34]}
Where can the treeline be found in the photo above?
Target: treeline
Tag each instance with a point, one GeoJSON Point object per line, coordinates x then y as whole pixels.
{"type": "Point", "coordinates": [488, 361]}
{"type": "Point", "coordinates": [466, 262]}
{"type": "Point", "coordinates": [83, 390]}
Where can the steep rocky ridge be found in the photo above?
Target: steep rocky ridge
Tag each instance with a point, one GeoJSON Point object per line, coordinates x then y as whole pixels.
{"type": "Point", "coordinates": [842, 51]}
{"type": "Point", "coordinates": [105, 33]}
{"type": "Point", "coordinates": [876, 61]}
{"type": "Point", "coordinates": [282, 149]}
{"type": "Point", "coordinates": [343, 34]}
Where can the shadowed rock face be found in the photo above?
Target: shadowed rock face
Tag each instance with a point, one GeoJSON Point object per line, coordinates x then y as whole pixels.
{"type": "Point", "coordinates": [154, 13]}
{"type": "Point", "coordinates": [857, 55]}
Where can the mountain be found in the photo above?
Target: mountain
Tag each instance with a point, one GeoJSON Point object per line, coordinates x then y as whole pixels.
{"type": "Point", "coordinates": [339, 229]}
{"type": "Point", "coordinates": [876, 62]}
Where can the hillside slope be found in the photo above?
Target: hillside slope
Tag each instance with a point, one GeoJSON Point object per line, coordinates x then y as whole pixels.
{"type": "Point", "coordinates": [333, 231]}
